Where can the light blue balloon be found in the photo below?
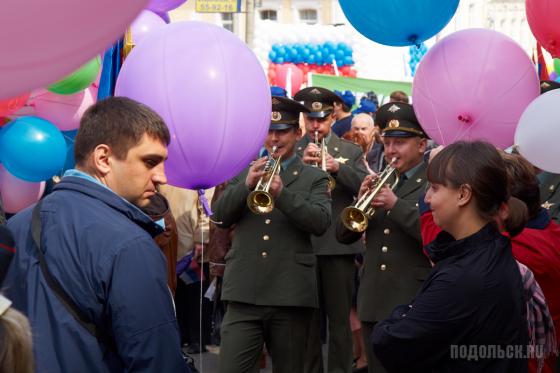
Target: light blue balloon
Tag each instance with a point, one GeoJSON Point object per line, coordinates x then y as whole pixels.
{"type": "Point", "coordinates": [33, 149]}
{"type": "Point", "coordinates": [399, 22]}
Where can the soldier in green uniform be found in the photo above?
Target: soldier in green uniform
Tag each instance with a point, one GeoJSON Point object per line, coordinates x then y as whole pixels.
{"type": "Point", "coordinates": [394, 264]}
{"type": "Point", "coordinates": [550, 194]}
{"type": "Point", "coordinates": [335, 261]}
{"type": "Point", "coordinates": [269, 282]}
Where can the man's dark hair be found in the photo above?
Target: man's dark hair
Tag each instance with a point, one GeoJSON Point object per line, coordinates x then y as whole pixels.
{"type": "Point", "coordinates": [120, 123]}
{"type": "Point", "coordinates": [399, 96]}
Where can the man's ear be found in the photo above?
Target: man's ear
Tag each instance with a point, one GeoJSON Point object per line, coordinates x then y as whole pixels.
{"type": "Point", "coordinates": [101, 159]}
{"type": "Point", "coordinates": [422, 145]}
{"type": "Point", "coordinates": [299, 133]}
{"type": "Point", "coordinates": [465, 195]}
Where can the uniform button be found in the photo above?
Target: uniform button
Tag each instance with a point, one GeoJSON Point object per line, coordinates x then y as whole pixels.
{"type": "Point", "coordinates": [419, 180]}
{"type": "Point", "coordinates": [335, 149]}
{"type": "Point", "coordinates": [384, 249]}
{"type": "Point", "coordinates": [299, 148]}
{"type": "Point", "coordinates": [383, 267]}
{"type": "Point", "coordinates": [266, 237]}
{"type": "Point", "coordinates": [386, 231]}
{"type": "Point", "coordinates": [389, 212]}
{"type": "Point", "coordinates": [416, 204]}
{"type": "Point", "coordinates": [267, 221]}
{"type": "Point", "coordinates": [264, 254]}
{"type": "Point", "coordinates": [295, 173]}
{"type": "Point", "coordinates": [551, 188]}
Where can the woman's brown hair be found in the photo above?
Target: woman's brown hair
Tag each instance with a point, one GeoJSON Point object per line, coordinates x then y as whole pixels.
{"type": "Point", "coordinates": [479, 165]}
{"type": "Point", "coordinates": [16, 349]}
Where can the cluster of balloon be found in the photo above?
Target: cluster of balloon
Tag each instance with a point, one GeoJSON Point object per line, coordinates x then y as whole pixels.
{"type": "Point", "coordinates": [31, 68]}
{"type": "Point", "coordinates": [312, 54]}
{"type": "Point", "coordinates": [184, 72]}
{"type": "Point", "coordinates": [416, 54]}
{"type": "Point", "coordinates": [399, 22]}
{"type": "Point", "coordinates": [458, 100]}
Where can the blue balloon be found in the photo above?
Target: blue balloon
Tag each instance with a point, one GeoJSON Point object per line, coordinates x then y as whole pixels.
{"type": "Point", "coordinates": [281, 52]}
{"type": "Point", "coordinates": [399, 22]}
{"type": "Point", "coordinates": [310, 59]}
{"type": "Point", "coordinates": [33, 149]}
{"type": "Point", "coordinates": [275, 47]}
{"type": "Point", "coordinates": [280, 60]}
{"type": "Point", "coordinates": [339, 54]}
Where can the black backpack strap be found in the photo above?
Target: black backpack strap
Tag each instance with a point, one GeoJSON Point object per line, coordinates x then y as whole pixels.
{"type": "Point", "coordinates": [68, 302]}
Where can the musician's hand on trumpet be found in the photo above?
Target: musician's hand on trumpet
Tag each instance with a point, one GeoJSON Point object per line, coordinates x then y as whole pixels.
{"type": "Point", "coordinates": [332, 165]}
{"type": "Point", "coordinates": [312, 154]}
{"type": "Point", "coordinates": [256, 171]}
{"type": "Point", "coordinates": [385, 199]}
{"type": "Point", "coordinates": [276, 186]}
{"type": "Point", "coordinates": [367, 184]}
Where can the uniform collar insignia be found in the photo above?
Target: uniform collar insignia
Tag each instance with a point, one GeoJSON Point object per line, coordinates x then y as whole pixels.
{"type": "Point", "coordinates": [547, 205]}
{"type": "Point", "coordinates": [341, 160]}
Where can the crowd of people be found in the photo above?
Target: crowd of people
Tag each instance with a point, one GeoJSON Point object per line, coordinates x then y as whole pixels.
{"type": "Point", "coordinates": [451, 266]}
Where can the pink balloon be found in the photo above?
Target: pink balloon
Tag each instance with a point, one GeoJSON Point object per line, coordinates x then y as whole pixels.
{"type": "Point", "coordinates": [144, 24]}
{"type": "Point", "coordinates": [43, 41]}
{"type": "Point", "coordinates": [161, 6]}
{"type": "Point", "coordinates": [474, 84]}
{"type": "Point", "coordinates": [18, 194]}
{"type": "Point", "coordinates": [64, 111]}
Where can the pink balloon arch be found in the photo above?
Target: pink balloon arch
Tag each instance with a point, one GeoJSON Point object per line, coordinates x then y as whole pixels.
{"type": "Point", "coordinates": [69, 33]}
{"type": "Point", "coordinates": [474, 84]}
{"type": "Point", "coordinates": [18, 194]}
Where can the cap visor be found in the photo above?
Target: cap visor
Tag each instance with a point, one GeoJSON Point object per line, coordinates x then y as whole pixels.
{"type": "Point", "coordinates": [281, 126]}
{"type": "Point", "coordinates": [318, 114]}
{"type": "Point", "coordinates": [398, 134]}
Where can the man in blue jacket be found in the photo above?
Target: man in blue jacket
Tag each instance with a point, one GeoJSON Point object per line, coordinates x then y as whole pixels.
{"type": "Point", "coordinates": [98, 247]}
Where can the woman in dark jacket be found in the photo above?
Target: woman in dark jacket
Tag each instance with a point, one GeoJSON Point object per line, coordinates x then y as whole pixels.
{"type": "Point", "coordinates": [469, 315]}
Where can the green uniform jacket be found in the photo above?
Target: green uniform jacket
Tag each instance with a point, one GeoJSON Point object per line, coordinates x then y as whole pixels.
{"type": "Point", "coordinates": [348, 180]}
{"type": "Point", "coordinates": [394, 263]}
{"type": "Point", "coordinates": [271, 260]}
{"type": "Point", "coordinates": [550, 194]}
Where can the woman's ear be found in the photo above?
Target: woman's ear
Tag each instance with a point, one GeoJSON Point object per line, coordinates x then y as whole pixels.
{"type": "Point", "coordinates": [465, 195]}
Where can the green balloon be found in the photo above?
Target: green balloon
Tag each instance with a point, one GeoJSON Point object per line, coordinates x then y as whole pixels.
{"type": "Point", "coordinates": [78, 80]}
{"type": "Point", "coordinates": [557, 65]}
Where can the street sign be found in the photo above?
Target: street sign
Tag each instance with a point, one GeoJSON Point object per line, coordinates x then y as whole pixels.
{"type": "Point", "coordinates": [218, 6]}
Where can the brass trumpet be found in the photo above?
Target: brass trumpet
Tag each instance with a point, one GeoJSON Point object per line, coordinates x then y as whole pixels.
{"type": "Point", "coordinates": [323, 154]}
{"type": "Point", "coordinates": [260, 201]}
{"type": "Point", "coordinates": [356, 217]}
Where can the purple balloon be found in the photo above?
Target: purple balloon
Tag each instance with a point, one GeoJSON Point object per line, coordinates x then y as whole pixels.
{"type": "Point", "coordinates": [474, 84]}
{"type": "Point", "coordinates": [211, 91]}
{"type": "Point", "coordinates": [553, 75]}
{"type": "Point", "coordinates": [146, 23]}
{"type": "Point", "coordinates": [162, 6]}
{"type": "Point", "coordinates": [18, 194]}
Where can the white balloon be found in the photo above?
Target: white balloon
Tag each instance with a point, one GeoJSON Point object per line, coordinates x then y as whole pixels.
{"type": "Point", "coordinates": [538, 132]}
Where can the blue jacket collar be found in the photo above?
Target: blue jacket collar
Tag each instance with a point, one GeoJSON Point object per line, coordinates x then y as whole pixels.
{"type": "Point", "coordinates": [110, 198]}
{"type": "Point", "coordinates": [540, 221]}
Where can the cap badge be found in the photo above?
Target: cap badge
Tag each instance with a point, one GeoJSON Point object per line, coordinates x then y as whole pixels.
{"type": "Point", "coordinates": [316, 106]}
{"type": "Point", "coordinates": [393, 123]}
{"type": "Point", "coordinates": [545, 85]}
{"type": "Point", "coordinates": [276, 116]}
{"type": "Point", "coordinates": [315, 91]}
{"type": "Point", "coordinates": [275, 101]}
{"type": "Point", "coordinates": [394, 109]}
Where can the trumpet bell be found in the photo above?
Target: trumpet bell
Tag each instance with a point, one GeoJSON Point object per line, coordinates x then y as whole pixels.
{"type": "Point", "coordinates": [354, 219]}
{"type": "Point", "coordinates": [260, 202]}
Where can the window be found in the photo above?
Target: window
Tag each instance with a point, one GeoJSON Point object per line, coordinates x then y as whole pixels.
{"type": "Point", "coordinates": [227, 21]}
{"type": "Point", "coordinates": [269, 14]}
{"type": "Point", "coordinates": [308, 16]}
